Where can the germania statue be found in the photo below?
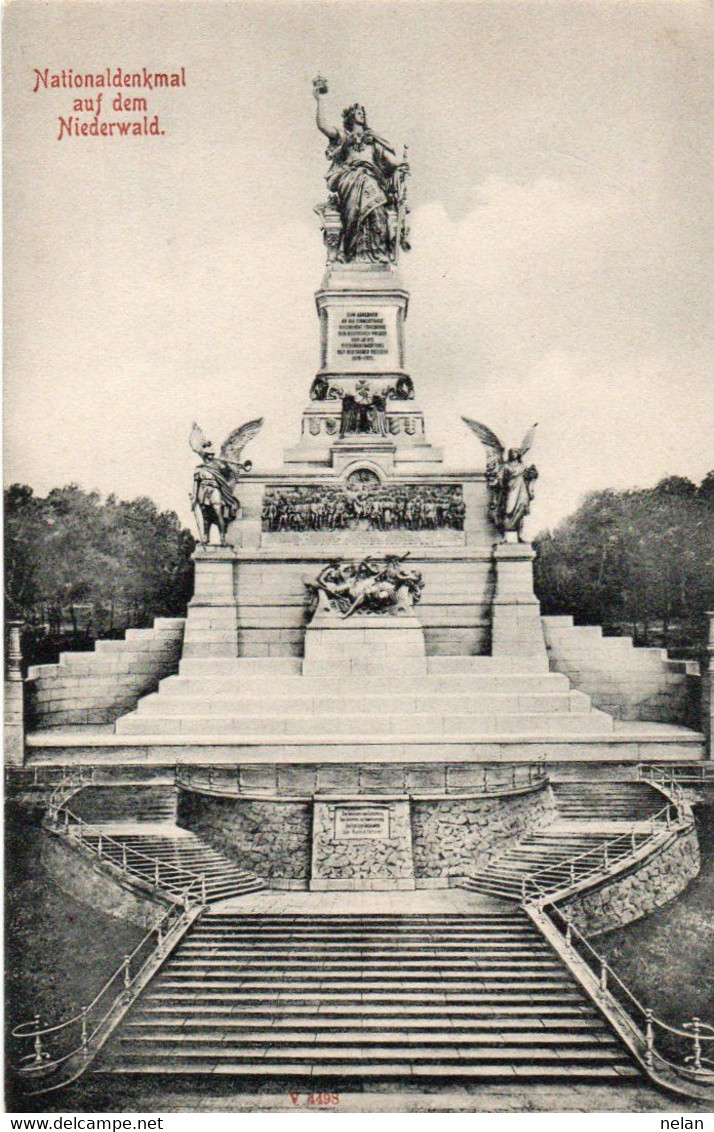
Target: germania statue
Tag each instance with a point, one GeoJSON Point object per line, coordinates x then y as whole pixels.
{"type": "Point", "coordinates": [368, 183]}
{"type": "Point", "coordinates": [212, 500]}
{"type": "Point", "coordinates": [510, 480]}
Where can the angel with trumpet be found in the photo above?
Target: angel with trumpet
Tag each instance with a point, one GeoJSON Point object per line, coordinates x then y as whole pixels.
{"type": "Point", "coordinates": [509, 479]}
{"type": "Point", "coordinates": [212, 500]}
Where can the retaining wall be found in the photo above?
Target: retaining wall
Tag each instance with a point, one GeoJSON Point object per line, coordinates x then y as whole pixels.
{"type": "Point", "coordinates": [276, 837]}
{"type": "Point", "coordinates": [626, 682]}
{"type": "Point", "coordinates": [99, 686]}
{"type": "Point", "coordinates": [645, 886]}
{"type": "Point", "coordinates": [451, 837]}
{"type": "Point", "coordinates": [89, 882]}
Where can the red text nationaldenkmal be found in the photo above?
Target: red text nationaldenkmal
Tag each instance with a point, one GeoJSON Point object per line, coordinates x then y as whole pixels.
{"type": "Point", "coordinates": [70, 79]}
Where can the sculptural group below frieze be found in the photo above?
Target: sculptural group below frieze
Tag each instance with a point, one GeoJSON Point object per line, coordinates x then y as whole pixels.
{"type": "Point", "coordinates": [366, 505]}
{"type": "Point", "coordinates": [372, 586]}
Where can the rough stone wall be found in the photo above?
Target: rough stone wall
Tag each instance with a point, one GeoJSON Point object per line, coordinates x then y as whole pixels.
{"type": "Point", "coordinates": [452, 837]}
{"type": "Point", "coordinates": [624, 681]}
{"type": "Point", "coordinates": [270, 838]}
{"type": "Point", "coordinates": [635, 893]}
{"type": "Point", "coordinates": [349, 863]}
{"type": "Point", "coordinates": [87, 881]}
{"type": "Point", "coordinates": [99, 686]}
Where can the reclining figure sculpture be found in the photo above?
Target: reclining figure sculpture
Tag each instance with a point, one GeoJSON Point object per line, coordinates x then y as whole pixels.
{"type": "Point", "coordinates": [370, 586]}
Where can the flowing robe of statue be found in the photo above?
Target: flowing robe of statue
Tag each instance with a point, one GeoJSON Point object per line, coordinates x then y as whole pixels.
{"type": "Point", "coordinates": [360, 176]}
{"type": "Point", "coordinates": [516, 494]}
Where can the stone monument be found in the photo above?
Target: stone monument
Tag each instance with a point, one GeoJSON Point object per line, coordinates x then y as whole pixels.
{"type": "Point", "coordinates": [365, 642]}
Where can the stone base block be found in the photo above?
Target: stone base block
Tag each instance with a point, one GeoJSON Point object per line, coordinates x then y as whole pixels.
{"type": "Point", "coordinates": [362, 643]}
{"type": "Point", "coordinates": [362, 844]}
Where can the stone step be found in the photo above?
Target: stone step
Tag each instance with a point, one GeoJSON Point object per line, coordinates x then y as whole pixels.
{"type": "Point", "coordinates": [296, 685]}
{"type": "Point", "coordinates": [386, 986]}
{"type": "Point", "coordinates": [365, 726]}
{"type": "Point", "coordinates": [467, 1038]}
{"type": "Point", "coordinates": [371, 1021]}
{"type": "Point", "coordinates": [520, 1010]}
{"type": "Point", "coordinates": [286, 666]}
{"type": "Point", "coordinates": [397, 703]}
{"type": "Point", "coordinates": [365, 1070]}
{"type": "Point", "coordinates": [377, 951]}
{"type": "Point", "coordinates": [269, 1052]}
{"type": "Point", "coordinates": [219, 961]}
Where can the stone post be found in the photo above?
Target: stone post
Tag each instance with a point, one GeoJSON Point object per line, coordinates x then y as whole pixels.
{"type": "Point", "coordinates": [14, 699]}
{"type": "Point", "coordinates": [212, 619]}
{"type": "Point", "coordinates": [707, 711]}
{"type": "Point", "coordinates": [516, 625]}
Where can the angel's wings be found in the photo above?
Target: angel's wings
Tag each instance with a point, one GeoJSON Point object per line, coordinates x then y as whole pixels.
{"type": "Point", "coordinates": [236, 441]}
{"type": "Point", "coordinates": [528, 439]}
{"type": "Point", "coordinates": [198, 439]}
{"type": "Point", "coordinates": [486, 437]}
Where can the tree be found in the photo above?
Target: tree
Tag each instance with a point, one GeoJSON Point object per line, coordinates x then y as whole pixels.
{"type": "Point", "coordinates": [643, 556]}
{"type": "Point", "coordinates": [71, 548]}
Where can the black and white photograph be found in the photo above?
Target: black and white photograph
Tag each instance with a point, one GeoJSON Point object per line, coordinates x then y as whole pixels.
{"type": "Point", "coordinates": [359, 556]}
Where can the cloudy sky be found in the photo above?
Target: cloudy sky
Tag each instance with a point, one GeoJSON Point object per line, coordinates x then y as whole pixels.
{"type": "Point", "coordinates": [562, 233]}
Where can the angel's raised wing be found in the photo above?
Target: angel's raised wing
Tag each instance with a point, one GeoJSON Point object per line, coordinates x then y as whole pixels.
{"type": "Point", "coordinates": [236, 441]}
{"type": "Point", "coordinates": [198, 439]}
{"type": "Point", "coordinates": [486, 436]}
{"type": "Point", "coordinates": [528, 439]}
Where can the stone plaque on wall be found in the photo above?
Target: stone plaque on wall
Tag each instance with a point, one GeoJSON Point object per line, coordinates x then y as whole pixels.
{"type": "Point", "coordinates": [357, 823]}
{"type": "Point", "coordinates": [361, 844]}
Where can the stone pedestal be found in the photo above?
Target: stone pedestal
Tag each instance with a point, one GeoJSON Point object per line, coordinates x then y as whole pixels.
{"type": "Point", "coordinates": [14, 724]}
{"type": "Point", "coordinates": [364, 644]}
{"type": "Point", "coordinates": [516, 626]}
{"type": "Point", "coordinates": [362, 311]}
{"type": "Point", "coordinates": [361, 843]}
{"type": "Point", "coordinates": [707, 708]}
{"type": "Point", "coordinates": [14, 721]}
{"type": "Point", "coordinates": [212, 619]}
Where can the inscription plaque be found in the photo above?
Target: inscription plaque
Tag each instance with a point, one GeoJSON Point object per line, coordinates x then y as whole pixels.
{"type": "Point", "coordinates": [355, 823]}
{"type": "Point", "coordinates": [361, 335]}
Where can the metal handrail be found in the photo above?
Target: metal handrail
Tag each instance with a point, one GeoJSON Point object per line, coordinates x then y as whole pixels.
{"type": "Point", "coordinates": [693, 1064]}
{"type": "Point", "coordinates": [69, 784]}
{"type": "Point", "coordinates": [571, 865]}
{"type": "Point", "coordinates": [40, 1061]}
{"type": "Point", "coordinates": [71, 821]}
{"type": "Point", "coordinates": [661, 774]}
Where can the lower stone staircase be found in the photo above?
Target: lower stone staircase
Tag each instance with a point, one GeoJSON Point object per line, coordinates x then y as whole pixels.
{"type": "Point", "coordinates": [606, 801]}
{"type": "Point", "coordinates": [136, 802]}
{"type": "Point", "coordinates": [477, 996]}
{"type": "Point", "coordinates": [547, 849]}
{"type": "Point", "coordinates": [185, 851]}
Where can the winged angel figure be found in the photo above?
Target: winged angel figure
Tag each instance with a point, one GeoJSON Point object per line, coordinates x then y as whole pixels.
{"type": "Point", "coordinates": [509, 479]}
{"type": "Point", "coordinates": [212, 498]}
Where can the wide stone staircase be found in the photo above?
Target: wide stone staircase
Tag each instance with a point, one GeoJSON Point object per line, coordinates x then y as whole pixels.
{"type": "Point", "coordinates": [606, 801]}
{"type": "Point", "coordinates": [472, 696]}
{"type": "Point", "coordinates": [566, 855]}
{"type": "Point", "coordinates": [477, 996]}
{"type": "Point", "coordinates": [183, 852]}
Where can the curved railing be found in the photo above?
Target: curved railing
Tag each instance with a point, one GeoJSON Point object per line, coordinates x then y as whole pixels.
{"type": "Point", "coordinates": [680, 1057]}
{"type": "Point", "coordinates": [52, 1056]}
{"type": "Point", "coordinates": [669, 776]}
{"type": "Point", "coordinates": [677, 1056]}
{"type": "Point", "coordinates": [56, 1055]}
{"type": "Point", "coordinates": [601, 860]}
{"type": "Point", "coordinates": [123, 858]}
